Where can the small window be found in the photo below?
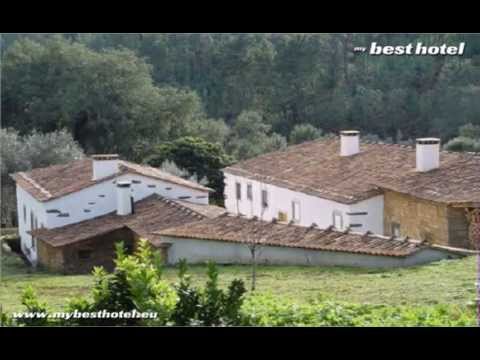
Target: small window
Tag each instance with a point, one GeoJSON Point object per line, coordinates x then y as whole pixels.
{"type": "Point", "coordinates": [264, 198]}
{"type": "Point", "coordinates": [238, 187]}
{"type": "Point", "coordinates": [249, 192]}
{"type": "Point", "coordinates": [24, 214]}
{"type": "Point", "coordinates": [337, 220]}
{"type": "Point", "coordinates": [296, 211]}
{"type": "Point", "coordinates": [84, 254]}
{"type": "Point", "coordinates": [396, 229]}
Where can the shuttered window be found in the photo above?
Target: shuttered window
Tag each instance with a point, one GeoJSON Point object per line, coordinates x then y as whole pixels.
{"type": "Point", "coordinates": [238, 188]}
{"type": "Point", "coordinates": [249, 192]}
{"type": "Point", "coordinates": [264, 198]}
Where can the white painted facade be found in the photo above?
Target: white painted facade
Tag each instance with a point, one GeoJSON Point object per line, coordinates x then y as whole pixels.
{"type": "Point", "coordinates": [89, 203]}
{"type": "Point", "coordinates": [197, 251]}
{"type": "Point", "coordinates": [312, 209]}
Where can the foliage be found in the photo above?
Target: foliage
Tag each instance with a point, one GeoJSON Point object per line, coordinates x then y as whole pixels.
{"type": "Point", "coordinates": [34, 307]}
{"type": "Point", "coordinates": [106, 99]}
{"type": "Point", "coordinates": [197, 157]}
{"type": "Point", "coordinates": [304, 132]}
{"type": "Point", "coordinates": [210, 307]}
{"type": "Point", "coordinates": [172, 168]}
{"type": "Point", "coordinates": [35, 150]}
{"type": "Point", "coordinates": [186, 309]}
{"type": "Point", "coordinates": [265, 310]}
{"type": "Point", "coordinates": [470, 131]}
{"type": "Point", "coordinates": [251, 136]}
{"type": "Point", "coordinates": [135, 284]}
{"type": "Point", "coordinates": [468, 139]}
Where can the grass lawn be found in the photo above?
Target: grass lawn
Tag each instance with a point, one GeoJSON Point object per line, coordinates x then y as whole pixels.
{"type": "Point", "coordinates": [444, 282]}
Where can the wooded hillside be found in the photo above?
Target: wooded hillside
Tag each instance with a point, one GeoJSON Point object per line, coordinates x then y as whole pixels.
{"type": "Point", "coordinates": [250, 93]}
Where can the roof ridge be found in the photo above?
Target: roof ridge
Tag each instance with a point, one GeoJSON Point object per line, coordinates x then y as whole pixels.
{"type": "Point", "coordinates": [35, 184]}
{"type": "Point", "coordinates": [175, 203]}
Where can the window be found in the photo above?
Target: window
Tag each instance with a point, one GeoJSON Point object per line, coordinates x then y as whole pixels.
{"type": "Point", "coordinates": [238, 187]}
{"type": "Point", "coordinates": [84, 254]}
{"type": "Point", "coordinates": [249, 192]}
{"type": "Point", "coordinates": [32, 223]}
{"type": "Point", "coordinates": [296, 211]}
{"type": "Point", "coordinates": [264, 198]}
{"type": "Point", "coordinates": [396, 229]}
{"type": "Point", "coordinates": [24, 214]}
{"type": "Point", "coordinates": [337, 220]}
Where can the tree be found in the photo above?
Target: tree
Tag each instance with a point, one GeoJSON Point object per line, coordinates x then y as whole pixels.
{"type": "Point", "coordinates": [196, 156]}
{"type": "Point", "coordinates": [250, 137]}
{"type": "Point", "coordinates": [254, 245]}
{"type": "Point", "coordinates": [106, 99]}
{"type": "Point", "coordinates": [23, 153]}
{"type": "Point", "coordinates": [304, 132]}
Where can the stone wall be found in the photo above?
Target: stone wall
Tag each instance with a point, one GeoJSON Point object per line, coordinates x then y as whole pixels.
{"type": "Point", "coordinates": [81, 257]}
{"type": "Point", "coordinates": [425, 220]}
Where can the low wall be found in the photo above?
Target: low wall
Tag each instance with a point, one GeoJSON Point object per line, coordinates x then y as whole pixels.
{"type": "Point", "coordinates": [200, 251]}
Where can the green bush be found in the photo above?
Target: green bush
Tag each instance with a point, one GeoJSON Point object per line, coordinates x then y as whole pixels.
{"type": "Point", "coordinates": [210, 307]}
{"type": "Point", "coordinates": [265, 310]}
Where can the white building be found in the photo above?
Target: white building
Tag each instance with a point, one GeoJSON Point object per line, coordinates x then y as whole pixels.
{"type": "Point", "coordinates": [60, 195]}
{"type": "Point", "coordinates": [346, 184]}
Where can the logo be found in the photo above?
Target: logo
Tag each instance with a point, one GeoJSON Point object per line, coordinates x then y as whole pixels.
{"type": "Point", "coordinates": [418, 49]}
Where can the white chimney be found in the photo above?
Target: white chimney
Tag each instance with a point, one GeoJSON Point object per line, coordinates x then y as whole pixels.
{"type": "Point", "coordinates": [428, 154]}
{"type": "Point", "coordinates": [104, 165]}
{"type": "Point", "coordinates": [124, 198]}
{"type": "Point", "coordinates": [349, 142]}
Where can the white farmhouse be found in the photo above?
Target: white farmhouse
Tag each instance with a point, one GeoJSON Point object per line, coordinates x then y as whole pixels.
{"type": "Point", "coordinates": [386, 189]}
{"type": "Point", "coordinates": [61, 195]}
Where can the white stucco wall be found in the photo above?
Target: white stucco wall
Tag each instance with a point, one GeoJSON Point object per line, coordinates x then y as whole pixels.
{"type": "Point", "coordinates": [24, 224]}
{"type": "Point", "coordinates": [88, 204]}
{"type": "Point", "coordinates": [312, 209]}
{"type": "Point", "coordinates": [200, 251]}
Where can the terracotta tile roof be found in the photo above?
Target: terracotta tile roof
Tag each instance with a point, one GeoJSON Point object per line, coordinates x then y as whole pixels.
{"type": "Point", "coordinates": [59, 180]}
{"type": "Point", "coordinates": [242, 230]}
{"type": "Point", "coordinates": [317, 168]}
{"type": "Point", "coordinates": [151, 214]}
{"type": "Point", "coordinates": [155, 173]}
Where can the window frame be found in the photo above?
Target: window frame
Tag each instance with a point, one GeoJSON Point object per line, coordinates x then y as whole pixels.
{"type": "Point", "coordinates": [339, 214]}
{"type": "Point", "coordinates": [32, 224]}
{"type": "Point", "coordinates": [297, 218]}
{"type": "Point", "coordinates": [264, 199]}
{"type": "Point", "coordinates": [249, 192]}
{"type": "Point", "coordinates": [238, 190]}
{"type": "Point", "coordinates": [395, 226]}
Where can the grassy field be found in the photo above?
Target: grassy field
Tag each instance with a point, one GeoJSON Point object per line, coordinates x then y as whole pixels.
{"type": "Point", "coordinates": [444, 282]}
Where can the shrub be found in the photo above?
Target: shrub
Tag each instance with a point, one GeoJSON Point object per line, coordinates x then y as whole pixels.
{"type": "Point", "coordinates": [265, 310]}
{"type": "Point", "coordinates": [33, 307]}
{"type": "Point", "coordinates": [210, 307]}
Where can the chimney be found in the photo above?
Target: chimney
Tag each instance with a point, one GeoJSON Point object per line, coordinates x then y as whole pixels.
{"type": "Point", "coordinates": [104, 165]}
{"type": "Point", "coordinates": [349, 142]}
{"type": "Point", "coordinates": [124, 198]}
{"type": "Point", "coordinates": [428, 154]}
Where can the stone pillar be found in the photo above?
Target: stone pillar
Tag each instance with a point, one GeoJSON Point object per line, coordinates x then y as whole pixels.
{"type": "Point", "coordinates": [474, 235]}
{"type": "Point", "coordinates": [474, 228]}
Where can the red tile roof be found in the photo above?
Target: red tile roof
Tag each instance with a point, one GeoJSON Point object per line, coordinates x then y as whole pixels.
{"type": "Point", "coordinates": [151, 214]}
{"type": "Point", "coordinates": [56, 181]}
{"type": "Point", "coordinates": [249, 231]}
{"type": "Point", "coordinates": [317, 168]}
